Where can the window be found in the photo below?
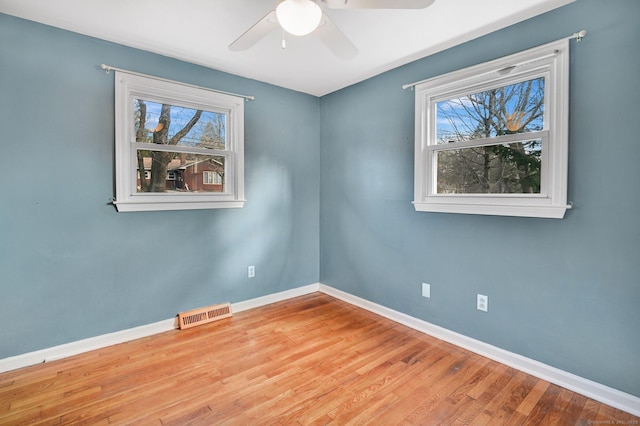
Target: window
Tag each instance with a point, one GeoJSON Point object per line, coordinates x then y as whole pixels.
{"type": "Point", "coordinates": [492, 139]}
{"type": "Point", "coordinates": [169, 136]}
{"type": "Point", "coordinates": [211, 178]}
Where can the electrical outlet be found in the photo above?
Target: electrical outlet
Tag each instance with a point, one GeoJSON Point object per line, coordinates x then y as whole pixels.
{"type": "Point", "coordinates": [426, 290]}
{"type": "Point", "coordinates": [251, 271]}
{"type": "Point", "coordinates": [483, 303]}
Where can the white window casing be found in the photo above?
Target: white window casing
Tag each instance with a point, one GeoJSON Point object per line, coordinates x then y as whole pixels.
{"type": "Point", "coordinates": [129, 87]}
{"type": "Point", "coordinates": [550, 61]}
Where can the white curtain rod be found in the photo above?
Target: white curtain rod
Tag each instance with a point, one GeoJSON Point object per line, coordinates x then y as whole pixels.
{"type": "Point", "coordinates": [109, 68]}
{"type": "Point", "coordinates": [578, 36]}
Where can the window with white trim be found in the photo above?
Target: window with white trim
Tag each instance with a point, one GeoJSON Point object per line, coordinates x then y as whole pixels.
{"type": "Point", "coordinates": [207, 178]}
{"type": "Point", "coordinates": [211, 178]}
{"type": "Point", "coordinates": [493, 139]}
{"type": "Point", "coordinates": [167, 136]}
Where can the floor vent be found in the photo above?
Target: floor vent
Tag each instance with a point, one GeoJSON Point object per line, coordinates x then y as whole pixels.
{"type": "Point", "coordinates": [203, 315]}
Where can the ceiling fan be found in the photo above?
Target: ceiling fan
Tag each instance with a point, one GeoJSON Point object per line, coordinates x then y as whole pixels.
{"type": "Point", "coordinates": [302, 17]}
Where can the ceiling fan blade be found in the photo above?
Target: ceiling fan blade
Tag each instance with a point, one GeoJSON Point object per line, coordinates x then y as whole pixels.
{"type": "Point", "coordinates": [378, 4]}
{"type": "Point", "coordinates": [335, 39]}
{"type": "Point", "coordinates": [260, 29]}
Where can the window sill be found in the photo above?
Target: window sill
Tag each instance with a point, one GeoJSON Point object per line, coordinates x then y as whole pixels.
{"type": "Point", "coordinates": [546, 211]}
{"type": "Point", "coordinates": [129, 206]}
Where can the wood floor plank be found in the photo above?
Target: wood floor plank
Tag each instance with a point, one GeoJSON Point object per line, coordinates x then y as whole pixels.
{"type": "Point", "coordinates": [480, 396]}
{"type": "Point", "coordinates": [571, 414]}
{"type": "Point", "coordinates": [430, 406]}
{"type": "Point", "coordinates": [307, 360]}
{"type": "Point", "coordinates": [482, 412]}
{"type": "Point", "coordinates": [543, 406]}
{"type": "Point", "coordinates": [532, 398]}
{"type": "Point", "coordinates": [554, 415]}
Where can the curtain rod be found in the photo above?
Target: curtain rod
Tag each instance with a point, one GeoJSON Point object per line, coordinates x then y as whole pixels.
{"type": "Point", "coordinates": [578, 36]}
{"type": "Point", "coordinates": [109, 68]}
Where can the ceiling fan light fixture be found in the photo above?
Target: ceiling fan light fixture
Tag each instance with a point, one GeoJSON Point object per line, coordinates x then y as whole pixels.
{"type": "Point", "coordinates": [298, 17]}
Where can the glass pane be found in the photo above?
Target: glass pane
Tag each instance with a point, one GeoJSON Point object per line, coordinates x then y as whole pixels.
{"type": "Point", "coordinates": [174, 125]}
{"type": "Point", "coordinates": [496, 169]}
{"type": "Point", "coordinates": [516, 108]}
{"type": "Point", "coordinates": [180, 172]}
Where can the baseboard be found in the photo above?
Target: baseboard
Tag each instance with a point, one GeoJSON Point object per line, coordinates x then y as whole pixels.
{"type": "Point", "coordinates": [275, 297]}
{"type": "Point", "coordinates": [588, 388]}
{"type": "Point", "coordinates": [85, 345]}
{"type": "Point", "coordinates": [93, 343]}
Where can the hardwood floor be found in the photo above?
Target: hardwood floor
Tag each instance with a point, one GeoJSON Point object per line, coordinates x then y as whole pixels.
{"type": "Point", "coordinates": [308, 360]}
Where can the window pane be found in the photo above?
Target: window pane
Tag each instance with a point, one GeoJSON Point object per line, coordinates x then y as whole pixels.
{"type": "Point", "coordinates": [495, 169]}
{"type": "Point", "coordinates": [174, 125]}
{"type": "Point", "coordinates": [179, 172]}
{"type": "Point", "coordinates": [516, 108]}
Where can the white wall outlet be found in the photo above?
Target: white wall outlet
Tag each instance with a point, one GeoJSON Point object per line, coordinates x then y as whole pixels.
{"type": "Point", "coordinates": [251, 271]}
{"type": "Point", "coordinates": [483, 303]}
{"type": "Point", "coordinates": [426, 290]}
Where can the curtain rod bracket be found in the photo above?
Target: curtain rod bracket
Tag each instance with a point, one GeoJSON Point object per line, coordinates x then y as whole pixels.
{"type": "Point", "coordinates": [579, 35]}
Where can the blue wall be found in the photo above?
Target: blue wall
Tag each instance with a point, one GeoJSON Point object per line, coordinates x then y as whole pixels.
{"type": "Point", "coordinates": [563, 292]}
{"type": "Point", "coordinates": [71, 267]}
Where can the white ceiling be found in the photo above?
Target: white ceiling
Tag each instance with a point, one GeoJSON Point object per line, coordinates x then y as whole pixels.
{"type": "Point", "coordinates": [199, 31]}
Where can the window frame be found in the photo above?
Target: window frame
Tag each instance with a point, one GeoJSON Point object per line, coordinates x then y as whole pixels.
{"type": "Point", "coordinates": [135, 86]}
{"type": "Point", "coordinates": [550, 61]}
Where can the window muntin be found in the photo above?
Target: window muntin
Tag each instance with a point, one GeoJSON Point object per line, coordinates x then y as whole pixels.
{"type": "Point", "coordinates": [175, 133]}
{"type": "Point", "coordinates": [492, 139]}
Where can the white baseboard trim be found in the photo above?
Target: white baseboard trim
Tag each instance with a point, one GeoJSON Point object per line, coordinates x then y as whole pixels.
{"type": "Point", "coordinates": [97, 342]}
{"type": "Point", "coordinates": [588, 388]}
{"type": "Point", "coordinates": [85, 345]}
{"type": "Point", "coordinates": [275, 297]}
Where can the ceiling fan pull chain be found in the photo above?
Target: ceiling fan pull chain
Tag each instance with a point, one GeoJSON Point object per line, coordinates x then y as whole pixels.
{"type": "Point", "coordinates": [284, 43]}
